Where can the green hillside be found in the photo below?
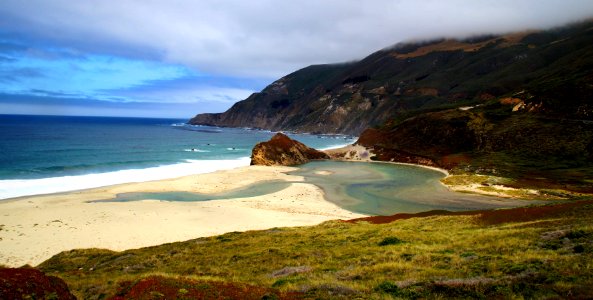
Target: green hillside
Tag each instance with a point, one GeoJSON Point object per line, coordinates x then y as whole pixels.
{"type": "Point", "coordinates": [552, 68]}
{"type": "Point", "coordinates": [537, 252]}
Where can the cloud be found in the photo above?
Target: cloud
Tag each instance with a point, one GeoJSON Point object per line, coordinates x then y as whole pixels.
{"type": "Point", "coordinates": [64, 79]}
{"type": "Point", "coordinates": [192, 89]}
{"type": "Point", "coordinates": [49, 104]}
{"type": "Point", "coordinates": [19, 74]}
{"type": "Point", "coordinates": [266, 38]}
{"type": "Point", "coordinates": [59, 70]}
{"type": "Point", "coordinates": [178, 58]}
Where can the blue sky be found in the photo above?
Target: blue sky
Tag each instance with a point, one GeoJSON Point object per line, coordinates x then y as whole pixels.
{"type": "Point", "coordinates": [42, 79]}
{"type": "Point", "coordinates": [177, 58]}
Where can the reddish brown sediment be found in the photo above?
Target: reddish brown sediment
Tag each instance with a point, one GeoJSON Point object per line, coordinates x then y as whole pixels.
{"type": "Point", "coordinates": [180, 288]}
{"type": "Point", "coordinates": [29, 283]}
{"type": "Point", "coordinates": [489, 217]}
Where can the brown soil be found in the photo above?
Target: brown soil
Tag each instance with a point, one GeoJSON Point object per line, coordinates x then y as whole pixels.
{"type": "Point", "coordinates": [455, 45]}
{"type": "Point", "coordinates": [489, 217]}
{"type": "Point", "coordinates": [158, 287]}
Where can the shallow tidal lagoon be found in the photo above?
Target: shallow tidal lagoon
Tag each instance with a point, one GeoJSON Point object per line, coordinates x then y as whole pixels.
{"type": "Point", "coordinates": [360, 187]}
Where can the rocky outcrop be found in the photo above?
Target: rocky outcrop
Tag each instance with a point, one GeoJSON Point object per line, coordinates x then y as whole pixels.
{"type": "Point", "coordinates": [351, 153]}
{"type": "Point", "coordinates": [284, 151]}
{"type": "Point", "coordinates": [492, 140]}
{"type": "Point", "coordinates": [517, 106]}
{"type": "Point", "coordinates": [545, 71]}
{"type": "Point", "coordinates": [29, 283]}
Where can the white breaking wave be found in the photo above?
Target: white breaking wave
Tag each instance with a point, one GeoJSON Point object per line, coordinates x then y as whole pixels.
{"type": "Point", "coordinates": [195, 150]}
{"type": "Point", "coordinates": [26, 187]}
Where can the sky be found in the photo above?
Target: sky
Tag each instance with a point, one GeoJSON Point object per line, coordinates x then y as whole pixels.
{"type": "Point", "coordinates": [174, 58]}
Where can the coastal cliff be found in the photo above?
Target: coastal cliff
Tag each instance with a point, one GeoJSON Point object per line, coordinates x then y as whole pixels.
{"type": "Point", "coordinates": [281, 150]}
{"type": "Point", "coordinates": [551, 71]}
{"type": "Point", "coordinates": [493, 139]}
{"type": "Point", "coordinates": [517, 105]}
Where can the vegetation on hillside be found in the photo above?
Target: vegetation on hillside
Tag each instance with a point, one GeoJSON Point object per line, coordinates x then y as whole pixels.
{"type": "Point", "coordinates": [537, 252]}
{"type": "Point", "coordinates": [516, 106]}
{"type": "Point", "coordinates": [534, 150]}
{"type": "Point", "coordinates": [553, 68]}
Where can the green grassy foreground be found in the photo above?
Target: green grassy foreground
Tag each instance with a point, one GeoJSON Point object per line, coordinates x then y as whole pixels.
{"type": "Point", "coordinates": [537, 252]}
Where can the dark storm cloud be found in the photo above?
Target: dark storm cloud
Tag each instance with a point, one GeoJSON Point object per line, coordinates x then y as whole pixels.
{"type": "Point", "coordinates": [269, 38]}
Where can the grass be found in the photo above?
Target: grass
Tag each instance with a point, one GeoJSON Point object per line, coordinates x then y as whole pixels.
{"type": "Point", "coordinates": [506, 187]}
{"type": "Point", "coordinates": [437, 256]}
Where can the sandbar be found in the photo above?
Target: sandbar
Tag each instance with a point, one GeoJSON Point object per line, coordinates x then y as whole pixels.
{"type": "Point", "coordinates": [32, 229]}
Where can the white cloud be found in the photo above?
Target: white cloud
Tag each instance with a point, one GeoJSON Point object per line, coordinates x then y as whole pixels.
{"type": "Point", "coordinates": [269, 38]}
{"type": "Point", "coordinates": [199, 94]}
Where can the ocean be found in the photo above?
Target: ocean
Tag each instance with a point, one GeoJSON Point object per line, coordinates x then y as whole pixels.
{"type": "Point", "coordinates": [48, 154]}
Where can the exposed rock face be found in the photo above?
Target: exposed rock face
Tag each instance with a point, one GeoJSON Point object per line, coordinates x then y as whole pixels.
{"type": "Point", "coordinates": [29, 283]}
{"type": "Point", "coordinates": [517, 105]}
{"type": "Point", "coordinates": [492, 139]}
{"type": "Point", "coordinates": [284, 151]}
{"type": "Point", "coordinates": [351, 153]}
{"type": "Point", "coordinates": [546, 72]}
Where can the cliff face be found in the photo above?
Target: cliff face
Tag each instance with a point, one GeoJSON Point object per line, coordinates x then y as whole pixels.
{"type": "Point", "coordinates": [517, 105]}
{"type": "Point", "coordinates": [550, 69]}
{"type": "Point", "coordinates": [535, 150]}
{"type": "Point", "coordinates": [284, 151]}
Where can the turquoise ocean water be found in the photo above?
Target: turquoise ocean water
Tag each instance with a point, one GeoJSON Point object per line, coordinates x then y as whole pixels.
{"type": "Point", "coordinates": [45, 154]}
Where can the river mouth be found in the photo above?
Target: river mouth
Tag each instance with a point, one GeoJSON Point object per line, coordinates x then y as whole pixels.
{"type": "Point", "coordinates": [360, 187]}
{"type": "Point", "coordinates": [387, 189]}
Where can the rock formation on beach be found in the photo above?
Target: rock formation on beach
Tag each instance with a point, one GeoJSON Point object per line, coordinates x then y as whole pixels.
{"type": "Point", "coordinates": [284, 151]}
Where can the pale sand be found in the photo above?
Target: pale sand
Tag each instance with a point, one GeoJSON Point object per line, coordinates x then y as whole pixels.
{"type": "Point", "coordinates": [32, 229]}
{"type": "Point", "coordinates": [350, 153]}
{"type": "Point", "coordinates": [363, 154]}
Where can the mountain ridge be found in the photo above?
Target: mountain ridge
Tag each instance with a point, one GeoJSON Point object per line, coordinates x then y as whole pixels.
{"type": "Point", "coordinates": [410, 79]}
{"type": "Point", "coordinates": [517, 106]}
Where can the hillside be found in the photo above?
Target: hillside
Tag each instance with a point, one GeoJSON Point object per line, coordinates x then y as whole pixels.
{"type": "Point", "coordinates": [516, 106]}
{"type": "Point", "coordinates": [550, 70]}
{"type": "Point", "coordinates": [535, 252]}
{"type": "Point", "coordinates": [528, 149]}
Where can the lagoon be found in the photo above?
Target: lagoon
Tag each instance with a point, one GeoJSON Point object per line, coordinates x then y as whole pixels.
{"type": "Point", "coordinates": [360, 187]}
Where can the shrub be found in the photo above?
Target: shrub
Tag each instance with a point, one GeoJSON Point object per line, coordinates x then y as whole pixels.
{"type": "Point", "coordinates": [391, 240]}
{"type": "Point", "coordinates": [578, 249]}
{"type": "Point", "coordinates": [576, 234]}
{"type": "Point", "coordinates": [388, 287]}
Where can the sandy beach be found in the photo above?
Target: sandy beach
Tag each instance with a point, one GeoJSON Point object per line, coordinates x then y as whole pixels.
{"type": "Point", "coordinates": [32, 229]}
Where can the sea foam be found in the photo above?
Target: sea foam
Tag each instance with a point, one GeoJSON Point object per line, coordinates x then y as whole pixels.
{"type": "Point", "coordinates": [196, 150]}
{"type": "Point", "coordinates": [26, 187]}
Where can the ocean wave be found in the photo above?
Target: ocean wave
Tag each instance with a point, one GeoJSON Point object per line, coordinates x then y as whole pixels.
{"type": "Point", "coordinates": [26, 187]}
{"type": "Point", "coordinates": [198, 128]}
{"type": "Point", "coordinates": [195, 150]}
